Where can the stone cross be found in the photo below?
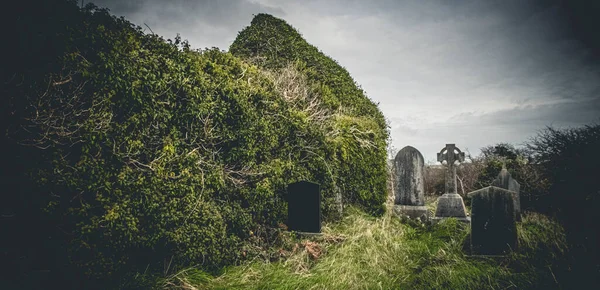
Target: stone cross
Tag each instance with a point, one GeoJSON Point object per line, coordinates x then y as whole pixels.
{"type": "Point", "coordinates": [450, 204]}
{"type": "Point", "coordinates": [451, 154]}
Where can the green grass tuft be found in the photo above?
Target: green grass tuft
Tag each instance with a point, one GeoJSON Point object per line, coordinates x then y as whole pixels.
{"type": "Point", "coordinates": [365, 252]}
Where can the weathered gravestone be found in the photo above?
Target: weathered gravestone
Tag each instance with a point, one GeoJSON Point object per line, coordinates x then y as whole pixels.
{"type": "Point", "coordinates": [304, 207]}
{"type": "Point", "coordinates": [450, 204]}
{"type": "Point", "coordinates": [505, 180]}
{"type": "Point", "coordinates": [493, 225]}
{"type": "Point", "coordinates": [409, 189]}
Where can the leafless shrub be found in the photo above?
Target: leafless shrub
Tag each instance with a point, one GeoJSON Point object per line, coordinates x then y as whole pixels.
{"type": "Point", "coordinates": [434, 179]}
{"type": "Point", "coordinates": [467, 174]}
{"type": "Point", "coordinates": [294, 88]}
{"type": "Point", "coordinates": [64, 112]}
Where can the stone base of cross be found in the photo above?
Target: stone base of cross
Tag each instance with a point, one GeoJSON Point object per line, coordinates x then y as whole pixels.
{"type": "Point", "coordinates": [451, 204]}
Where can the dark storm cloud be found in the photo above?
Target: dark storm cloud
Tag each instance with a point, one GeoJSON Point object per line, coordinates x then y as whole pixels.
{"type": "Point", "coordinates": [559, 114]}
{"type": "Point", "coordinates": [582, 19]}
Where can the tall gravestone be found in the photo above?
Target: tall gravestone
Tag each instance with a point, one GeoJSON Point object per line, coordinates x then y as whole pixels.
{"type": "Point", "coordinates": [505, 180]}
{"type": "Point", "coordinates": [304, 207]}
{"type": "Point", "coordinates": [409, 188]}
{"type": "Point", "coordinates": [451, 204]}
{"type": "Point", "coordinates": [493, 224]}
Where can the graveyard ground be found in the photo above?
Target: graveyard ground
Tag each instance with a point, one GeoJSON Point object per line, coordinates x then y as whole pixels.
{"type": "Point", "coordinates": [364, 252]}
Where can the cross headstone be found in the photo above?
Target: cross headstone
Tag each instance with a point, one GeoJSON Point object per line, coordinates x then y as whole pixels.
{"type": "Point", "coordinates": [452, 155]}
{"type": "Point", "coordinates": [505, 180]}
{"type": "Point", "coordinates": [493, 225]}
{"type": "Point", "coordinates": [450, 204]}
{"type": "Point", "coordinates": [304, 207]}
{"type": "Point", "coordinates": [409, 189]}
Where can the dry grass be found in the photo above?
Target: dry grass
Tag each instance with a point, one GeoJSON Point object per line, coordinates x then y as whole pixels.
{"type": "Point", "coordinates": [363, 252]}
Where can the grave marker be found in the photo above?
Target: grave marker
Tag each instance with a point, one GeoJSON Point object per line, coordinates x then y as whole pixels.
{"type": "Point", "coordinates": [304, 207]}
{"type": "Point", "coordinates": [409, 189]}
{"type": "Point", "coordinates": [505, 180]}
{"type": "Point", "coordinates": [450, 204]}
{"type": "Point", "coordinates": [493, 225]}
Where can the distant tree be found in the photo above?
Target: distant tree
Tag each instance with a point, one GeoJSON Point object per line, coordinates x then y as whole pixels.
{"type": "Point", "coordinates": [502, 150]}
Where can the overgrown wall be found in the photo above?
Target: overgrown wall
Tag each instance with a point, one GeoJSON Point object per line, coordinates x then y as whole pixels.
{"type": "Point", "coordinates": [132, 154]}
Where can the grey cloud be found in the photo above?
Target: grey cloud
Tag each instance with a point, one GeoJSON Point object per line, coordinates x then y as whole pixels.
{"type": "Point", "coordinates": [204, 23]}
{"type": "Point", "coordinates": [468, 72]}
{"type": "Point", "coordinates": [121, 7]}
{"type": "Point", "coordinates": [560, 114]}
{"type": "Point", "coordinates": [517, 125]}
{"type": "Point", "coordinates": [230, 13]}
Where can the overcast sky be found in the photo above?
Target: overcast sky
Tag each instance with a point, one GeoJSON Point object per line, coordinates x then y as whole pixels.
{"type": "Point", "coordinates": [473, 73]}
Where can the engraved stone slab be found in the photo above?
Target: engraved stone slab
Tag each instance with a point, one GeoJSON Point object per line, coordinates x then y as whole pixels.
{"type": "Point", "coordinates": [493, 225]}
{"type": "Point", "coordinates": [409, 188]}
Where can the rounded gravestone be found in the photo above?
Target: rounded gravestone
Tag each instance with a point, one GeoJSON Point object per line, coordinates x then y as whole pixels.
{"type": "Point", "coordinates": [409, 188]}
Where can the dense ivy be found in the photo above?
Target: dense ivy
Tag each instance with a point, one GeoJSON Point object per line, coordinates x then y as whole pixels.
{"type": "Point", "coordinates": [358, 145]}
{"type": "Point", "coordinates": [147, 156]}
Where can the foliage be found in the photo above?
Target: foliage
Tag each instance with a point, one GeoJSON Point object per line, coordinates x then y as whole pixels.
{"type": "Point", "coordinates": [356, 133]}
{"type": "Point", "coordinates": [518, 162]}
{"type": "Point", "coordinates": [284, 44]}
{"type": "Point", "coordinates": [497, 156]}
{"type": "Point", "coordinates": [569, 161]}
{"type": "Point", "coordinates": [147, 156]}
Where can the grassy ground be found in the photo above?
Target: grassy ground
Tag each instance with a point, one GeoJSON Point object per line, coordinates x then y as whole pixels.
{"type": "Point", "coordinates": [364, 252]}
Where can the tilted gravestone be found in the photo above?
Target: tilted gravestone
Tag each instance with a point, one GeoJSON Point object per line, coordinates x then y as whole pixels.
{"type": "Point", "coordinates": [409, 189]}
{"type": "Point", "coordinates": [493, 224]}
{"type": "Point", "coordinates": [450, 204]}
{"type": "Point", "coordinates": [304, 207]}
{"type": "Point", "coordinates": [505, 180]}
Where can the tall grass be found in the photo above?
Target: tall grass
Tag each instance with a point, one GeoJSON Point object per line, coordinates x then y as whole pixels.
{"type": "Point", "coordinates": [363, 252]}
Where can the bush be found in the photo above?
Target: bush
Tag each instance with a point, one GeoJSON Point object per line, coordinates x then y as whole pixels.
{"type": "Point", "coordinates": [569, 161]}
{"type": "Point", "coordinates": [518, 162]}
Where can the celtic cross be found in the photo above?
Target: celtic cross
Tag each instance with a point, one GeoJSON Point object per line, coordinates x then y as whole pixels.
{"type": "Point", "coordinates": [451, 155]}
